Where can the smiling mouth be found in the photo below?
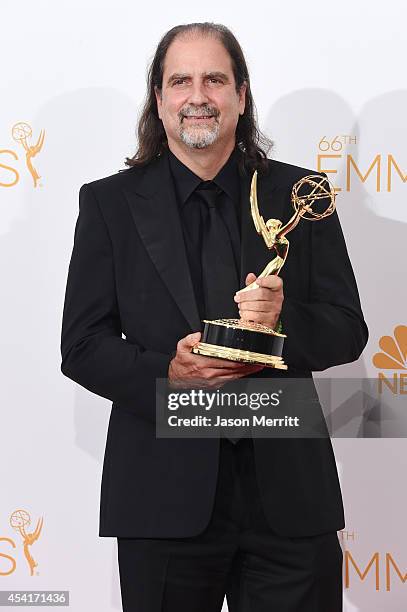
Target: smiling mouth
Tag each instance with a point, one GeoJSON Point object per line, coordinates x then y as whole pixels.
{"type": "Point", "coordinates": [200, 117]}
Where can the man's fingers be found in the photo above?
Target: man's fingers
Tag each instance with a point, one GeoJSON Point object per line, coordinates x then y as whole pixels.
{"type": "Point", "coordinates": [273, 282]}
{"type": "Point", "coordinates": [250, 278]}
{"type": "Point", "coordinates": [260, 306]}
{"type": "Point", "coordinates": [246, 370]}
{"type": "Point", "coordinates": [262, 293]}
{"type": "Point", "coordinates": [214, 376]}
{"type": "Point", "coordinates": [266, 285]}
{"type": "Point", "coordinates": [185, 344]}
{"type": "Point", "coordinates": [221, 364]}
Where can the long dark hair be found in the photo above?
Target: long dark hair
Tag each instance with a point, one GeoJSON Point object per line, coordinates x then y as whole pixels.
{"type": "Point", "coordinates": [152, 139]}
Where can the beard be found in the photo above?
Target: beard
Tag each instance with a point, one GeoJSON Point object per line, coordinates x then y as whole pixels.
{"type": "Point", "coordinates": [199, 136]}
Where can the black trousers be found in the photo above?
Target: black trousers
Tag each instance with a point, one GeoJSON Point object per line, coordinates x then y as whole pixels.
{"type": "Point", "coordinates": [237, 555]}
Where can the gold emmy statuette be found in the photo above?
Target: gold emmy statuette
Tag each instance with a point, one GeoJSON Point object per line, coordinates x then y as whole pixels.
{"type": "Point", "coordinates": [247, 341]}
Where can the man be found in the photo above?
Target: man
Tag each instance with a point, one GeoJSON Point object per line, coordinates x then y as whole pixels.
{"type": "Point", "coordinates": [197, 518]}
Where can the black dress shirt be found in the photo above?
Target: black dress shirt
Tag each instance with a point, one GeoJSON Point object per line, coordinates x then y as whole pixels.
{"type": "Point", "coordinates": [186, 182]}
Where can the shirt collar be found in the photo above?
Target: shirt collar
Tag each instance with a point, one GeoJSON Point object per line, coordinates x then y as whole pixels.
{"type": "Point", "coordinates": [187, 181]}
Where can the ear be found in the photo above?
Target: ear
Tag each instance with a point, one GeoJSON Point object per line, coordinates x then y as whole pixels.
{"type": "Point", "coordinates": [242, 97]}
{"type": "Point", "coordinates": [158, 98]}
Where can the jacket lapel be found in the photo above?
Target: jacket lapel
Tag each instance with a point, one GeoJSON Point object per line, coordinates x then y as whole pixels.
{"type": "Point", "coordinates": [155, 212]}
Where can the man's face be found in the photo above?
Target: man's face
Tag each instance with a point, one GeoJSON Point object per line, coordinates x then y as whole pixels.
{"type": "Point", "coordinates": [198, 103]}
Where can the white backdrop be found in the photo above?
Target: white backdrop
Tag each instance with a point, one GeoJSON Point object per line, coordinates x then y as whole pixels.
{"type": "Point", "coordinates": [77, 71]}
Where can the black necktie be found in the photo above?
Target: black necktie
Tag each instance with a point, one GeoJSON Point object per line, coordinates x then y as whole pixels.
{"type": "Point", "coordinates": [219, 275]}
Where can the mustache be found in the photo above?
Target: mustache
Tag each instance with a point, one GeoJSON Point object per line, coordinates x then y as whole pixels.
{"type": "Point", "coordinates": [202, 111]}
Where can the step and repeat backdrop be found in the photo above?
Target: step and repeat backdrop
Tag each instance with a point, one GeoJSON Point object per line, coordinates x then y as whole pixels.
{"type": "Point", "coordinates": [329, 85]}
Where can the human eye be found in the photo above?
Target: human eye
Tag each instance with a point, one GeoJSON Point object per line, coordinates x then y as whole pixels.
{"type": "Point", "coordinates": [179, 81]}
{"type": "Point", "coordinates": [214, 80]}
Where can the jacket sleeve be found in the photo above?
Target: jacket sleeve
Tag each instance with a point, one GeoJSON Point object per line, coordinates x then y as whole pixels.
{"type": "Point", "coordinates": [94, 354]}
{"type": "Point", "coordinates": [330, 329]}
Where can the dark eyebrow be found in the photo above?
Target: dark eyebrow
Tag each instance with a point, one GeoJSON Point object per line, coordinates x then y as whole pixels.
{"type": "Point", "coordinates": [217, 75]}
{"type": "Point", "coordinates": [210, 75]}
{"type": "Point", "coordinates": [177, 75]}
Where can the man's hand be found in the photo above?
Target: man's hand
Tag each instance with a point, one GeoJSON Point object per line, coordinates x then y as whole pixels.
{"type": "Point", "coordinates": [262, 305]}
{"type": "Point", "coordinates": [187, 370]}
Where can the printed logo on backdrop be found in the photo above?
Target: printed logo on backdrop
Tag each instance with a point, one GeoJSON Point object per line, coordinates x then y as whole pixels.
{"type": "Point", "coordinates": [20, 522]}
{"type": "Point", "coordinates": [379, 570]}
{"type": "Point", "coordinates": [393, 359]}
{"type": "Point", "coordinates": [22, 134]}
{"type": "Point", "coordinates": [382, 169]}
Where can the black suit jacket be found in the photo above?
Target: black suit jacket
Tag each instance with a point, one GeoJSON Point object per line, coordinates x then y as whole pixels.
{"type": "Point", "coordinates": [129, 274]}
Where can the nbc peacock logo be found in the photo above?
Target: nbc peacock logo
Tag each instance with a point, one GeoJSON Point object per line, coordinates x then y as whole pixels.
{"type": "Point", "coordinates": [393, 356]}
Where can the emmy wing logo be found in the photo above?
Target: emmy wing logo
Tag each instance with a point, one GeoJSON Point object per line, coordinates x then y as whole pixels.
{"type": "Point", "coordinates": [21, 132]}
{"type": "Point", "coordinates": [393, 356]}
{"type": "Point", "coordinates": [20, 520]}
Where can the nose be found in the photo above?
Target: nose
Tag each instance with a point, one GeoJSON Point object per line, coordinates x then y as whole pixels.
{"type": "Point", "coordinates": [197, 93]}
